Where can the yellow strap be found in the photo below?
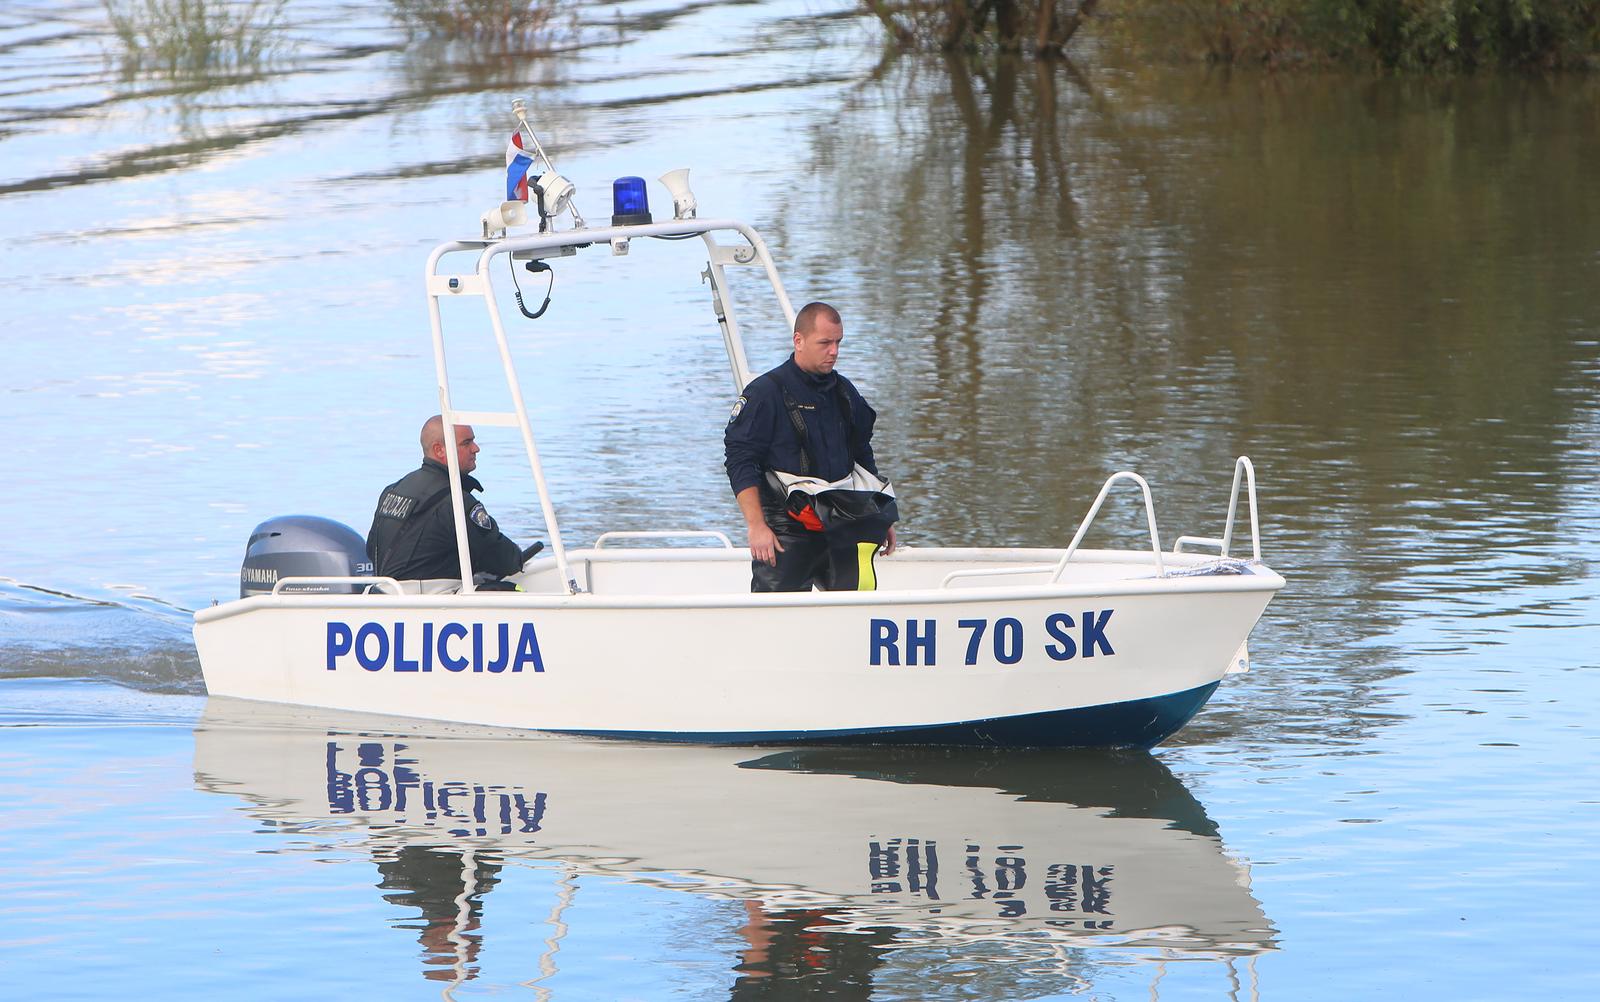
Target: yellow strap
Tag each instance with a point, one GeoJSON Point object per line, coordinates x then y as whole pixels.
{"type": "Point", "coordinates": [866, 579]}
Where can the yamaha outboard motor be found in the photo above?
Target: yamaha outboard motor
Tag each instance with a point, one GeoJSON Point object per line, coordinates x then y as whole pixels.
{"type": "Point", "coordinates": [302, 546]}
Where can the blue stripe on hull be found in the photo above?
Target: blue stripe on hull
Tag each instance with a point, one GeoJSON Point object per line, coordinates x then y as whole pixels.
{"type": "Point", "coordinates": [1139, 723]}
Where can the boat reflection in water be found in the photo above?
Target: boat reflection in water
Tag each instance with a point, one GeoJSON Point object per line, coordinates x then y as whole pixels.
{"type": "Point", "coordinates": [1010, 862]}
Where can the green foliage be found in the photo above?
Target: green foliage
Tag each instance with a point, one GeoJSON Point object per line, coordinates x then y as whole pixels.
{"type": "Point", "coordinates": [1473, 33]}
{"type": "Point", "coordinates": [1407, 35]}
{"type": "Point", "coordinates": [1410, 35]}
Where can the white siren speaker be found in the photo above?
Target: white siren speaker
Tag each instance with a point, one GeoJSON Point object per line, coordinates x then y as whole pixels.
{"type": "Point", "coordinates": [683, 203]}
{"type": "Point", "coordinates": [511, 213]}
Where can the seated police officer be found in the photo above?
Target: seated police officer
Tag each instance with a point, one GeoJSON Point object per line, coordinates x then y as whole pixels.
{"type": "Point", "coordinates": [413, 531]}
{"type": "Point", "coordinates": [804, 422]}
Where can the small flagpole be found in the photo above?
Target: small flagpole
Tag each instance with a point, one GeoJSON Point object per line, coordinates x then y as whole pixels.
{"type": "Point", "coordinates": [519, 108]}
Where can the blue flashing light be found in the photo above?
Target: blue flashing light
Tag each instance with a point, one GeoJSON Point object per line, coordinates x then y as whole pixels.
{"type": "Point", "coordinates": [630, 205]}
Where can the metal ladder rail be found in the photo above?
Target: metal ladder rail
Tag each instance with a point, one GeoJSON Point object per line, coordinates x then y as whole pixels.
{"type": "Point", "coordinates": [478, 284]}
{"type": "Point", "coordinates": [514, 387]}
{"type": "Point", "coordinates": [452, 285]}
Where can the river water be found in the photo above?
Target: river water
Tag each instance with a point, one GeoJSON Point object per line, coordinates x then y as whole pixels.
{"type": "Point", "coordinates": [1386, 292]}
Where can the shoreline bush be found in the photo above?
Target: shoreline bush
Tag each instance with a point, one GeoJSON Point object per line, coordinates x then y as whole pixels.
{"type": "Point", "coordinates": [1392, 35]}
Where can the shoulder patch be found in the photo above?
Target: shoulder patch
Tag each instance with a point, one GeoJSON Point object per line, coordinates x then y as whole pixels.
{"type": "Point", "coordinates": [480, 517]}
{"type": "Point", "coordinates": [738, 405]}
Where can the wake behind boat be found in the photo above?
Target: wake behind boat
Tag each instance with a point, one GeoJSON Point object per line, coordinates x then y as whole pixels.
{"type": "Point", "coordinates": [972, 645]}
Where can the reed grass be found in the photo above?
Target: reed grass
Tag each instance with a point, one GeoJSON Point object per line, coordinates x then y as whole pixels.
{"type": "Point", "coordinates": [192, 38]}
{"type": "Point", "coordinates": [507, 25]}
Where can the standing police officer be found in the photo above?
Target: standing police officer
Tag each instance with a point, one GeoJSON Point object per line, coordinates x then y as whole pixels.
{"type": "Point", "coordinates": [413, 531]}
{"type": "Point", "coordinates": [804, 418]}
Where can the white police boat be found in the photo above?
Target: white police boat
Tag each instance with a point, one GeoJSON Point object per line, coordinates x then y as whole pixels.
{"type": "Point", "coordinates": [1061, 646]}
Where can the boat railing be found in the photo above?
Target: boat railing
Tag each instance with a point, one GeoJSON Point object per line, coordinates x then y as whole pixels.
{"type": "Point", "coordinates": [987, 572]}
{"type": "Point", "coordinates": [1094, 509]}
{"type": "Point", "coordinates": [1060, 566]}
{"type": "Point", "coordinates": [600, 542]}
{"type": "Point", "coordinates": [1245, 470]}
{"type": "Point", "coordinates": [369, 582]}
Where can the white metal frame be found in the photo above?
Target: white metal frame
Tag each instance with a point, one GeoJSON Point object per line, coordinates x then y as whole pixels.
{"type": "Point", "coordinates": [478, 283]}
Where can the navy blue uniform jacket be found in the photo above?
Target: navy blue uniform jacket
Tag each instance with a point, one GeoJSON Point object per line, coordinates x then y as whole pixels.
{"type": "Point", "coordinates": [761, 437]}
{"type": "Point", "coordinates": [413, 532]}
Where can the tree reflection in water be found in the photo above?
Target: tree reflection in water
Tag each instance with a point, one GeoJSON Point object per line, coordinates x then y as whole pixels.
{"type": "Point", "coordinates": [195, 40]}
{"type": "Point", "coordinates": [1378, 289]}
{"type": "Point", "coordinates": [522, 26]}
{"type": "Point", "coordinates": [489, 46]}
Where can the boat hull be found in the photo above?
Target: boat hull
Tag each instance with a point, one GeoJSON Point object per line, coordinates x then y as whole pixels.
{"type": "Point", "coordinates": [1137, 723]}
{"type": "Point", "coordinates": [1123, 666]}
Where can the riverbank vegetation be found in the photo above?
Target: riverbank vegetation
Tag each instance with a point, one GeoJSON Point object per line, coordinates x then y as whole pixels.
{"type": "Point", "coordinates": [1396, 35]}
{"type": "Point", "coordinates": [194, 38]}
{"type": "Point", "coordinates": [512, 25]}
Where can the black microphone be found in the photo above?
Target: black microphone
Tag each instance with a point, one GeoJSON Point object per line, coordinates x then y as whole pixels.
{"type": "Point", "coordinates": [535, 266]}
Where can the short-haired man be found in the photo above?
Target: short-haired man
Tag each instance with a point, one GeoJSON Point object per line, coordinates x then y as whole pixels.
{"type": "Point", "coordinates": [804, 419]}
{"type": "Point", "coordinates": [413, 530]}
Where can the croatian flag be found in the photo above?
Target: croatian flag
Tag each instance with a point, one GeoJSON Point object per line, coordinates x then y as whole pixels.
{"type": "Point", "coordinates": [518, 161]}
